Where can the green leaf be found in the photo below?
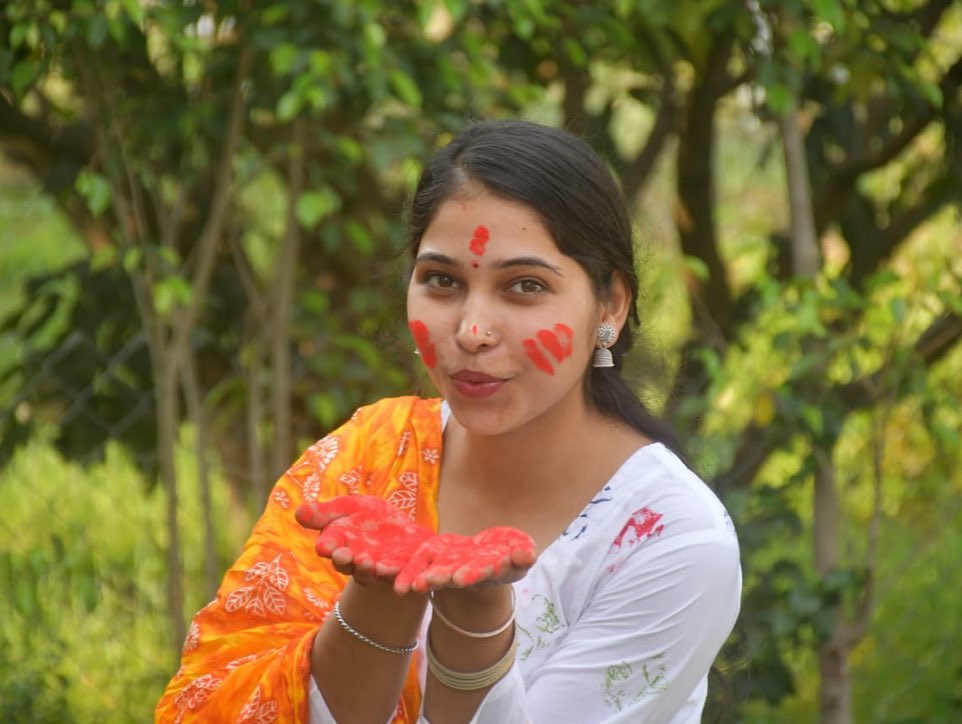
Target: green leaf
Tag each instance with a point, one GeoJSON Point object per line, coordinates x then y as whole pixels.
{"type": "Point", "coordinates": [405, 87]}
{"type": "Point", "coordinates": [170, 292]}
{"type": "Point", "coordinates": [832, 12]}
{"type": "Point", "coordinates": [779, 97]}
{"type": "Point", "coordinates": [283, 58]}
{"type": "Point", "coordinates": [313, 206]}
{"type": "Point", "coordinates": [95, 191]}
{"type": "Point", "coordinates": [289, 105]}
{"type": "Point", "coordinates": [696, 267]}
{"type": "Point", "coordinates": [134, 10]}
{"type": "Point", "coordinates": [360, 237]}
{"type": "Point", "coordinates": [131, 259]}
{"type": "Point", "coordinates": [23, 75]}
{"type": "Point", "coordinates": [897, 308]}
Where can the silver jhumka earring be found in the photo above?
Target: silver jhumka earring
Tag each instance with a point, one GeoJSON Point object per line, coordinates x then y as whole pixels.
{"type": "Point", "coordinates": [606, 337]}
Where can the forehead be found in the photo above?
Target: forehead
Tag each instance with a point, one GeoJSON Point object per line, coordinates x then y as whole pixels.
{"type": "Point", "coordinates": [501, 222]}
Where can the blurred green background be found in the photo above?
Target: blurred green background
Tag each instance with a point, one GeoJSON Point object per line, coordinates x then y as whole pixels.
{"type": "Point", "coordinates": [201, 271]}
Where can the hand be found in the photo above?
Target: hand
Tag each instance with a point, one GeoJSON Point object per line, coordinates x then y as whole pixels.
{"type": "Point", "coordinates": [495, 555]}
{"type": "Point", "coordinates": [364, 536]}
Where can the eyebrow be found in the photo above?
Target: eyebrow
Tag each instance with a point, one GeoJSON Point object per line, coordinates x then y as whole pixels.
{"type": "Point", "coordinates": [431, 256]}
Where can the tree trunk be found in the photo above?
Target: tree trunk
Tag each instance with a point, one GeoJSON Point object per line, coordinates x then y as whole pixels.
{"type": "Point", "coordinates": [283, 304]}
{"type": "Point", "coordinates": [166, 392]}
{"type": "Point", "coordinates": [195, 407]}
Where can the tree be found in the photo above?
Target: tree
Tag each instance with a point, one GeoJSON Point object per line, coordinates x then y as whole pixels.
{"type": "Point", "coordinates": [249, 237]}
{"type": "Point", "coordinates": [147, 122]}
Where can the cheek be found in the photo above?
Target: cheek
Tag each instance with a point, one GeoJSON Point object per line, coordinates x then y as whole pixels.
{"type": "Point", "coordinates": [550, 346]}
{"type": "Point", "coordinates": [422, 340]}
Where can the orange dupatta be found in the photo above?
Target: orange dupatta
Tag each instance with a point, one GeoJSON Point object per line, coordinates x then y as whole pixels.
{"type": "Point", "coordinates": [247, 653]}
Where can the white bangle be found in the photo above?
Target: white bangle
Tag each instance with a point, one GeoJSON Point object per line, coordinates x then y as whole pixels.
{"type": "Point", "coordinates": [484, 634]}
{"type": "Point", "coordinates": [370, 642]}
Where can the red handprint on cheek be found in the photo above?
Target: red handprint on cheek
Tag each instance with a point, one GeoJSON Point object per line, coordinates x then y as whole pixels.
{"type": "Point", "coordinates": [422, 340]}
{"type": "Point", "coordinates": [558, 341]}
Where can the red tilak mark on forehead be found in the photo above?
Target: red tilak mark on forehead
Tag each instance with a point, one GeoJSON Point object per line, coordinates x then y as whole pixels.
{"type": "Point", "coordinates": [557, 341]}
{"type": "Point", "coordinates": [422, 340]}
{"type": "Point", "coordinates": [535, 355]}
{"type": "Point", "coordinates": [479, 240]}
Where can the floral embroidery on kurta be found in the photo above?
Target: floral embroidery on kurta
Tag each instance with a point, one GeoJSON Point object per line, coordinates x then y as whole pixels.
{"type": "Point", "coordinates": [626, 684]}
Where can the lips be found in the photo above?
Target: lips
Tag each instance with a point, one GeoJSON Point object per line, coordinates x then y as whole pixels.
{"type": "Point", "coordinates": [470, 383]}
{"type": "Point", "coordinates": [473, 377]}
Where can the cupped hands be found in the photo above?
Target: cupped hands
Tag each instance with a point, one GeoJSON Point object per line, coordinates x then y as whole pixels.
{"type": "Point", "coordinates": [370, 539]}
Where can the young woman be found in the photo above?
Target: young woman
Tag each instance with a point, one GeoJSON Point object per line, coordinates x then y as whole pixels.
{"type": "Point", "coordinates": [528, 547]}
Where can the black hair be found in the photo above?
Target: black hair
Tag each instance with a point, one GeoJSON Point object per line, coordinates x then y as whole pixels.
{"type": "Point", "coordinates": [559, 176]}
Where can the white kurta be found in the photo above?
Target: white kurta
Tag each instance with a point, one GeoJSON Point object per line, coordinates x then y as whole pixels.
{"type": "Point", "coordinates": [621, 617]}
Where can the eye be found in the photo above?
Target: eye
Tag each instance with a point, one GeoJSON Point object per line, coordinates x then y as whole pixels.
{"type": "Point", "coordinates": [528, 286]}
{"type": "Point", "coordinates": [439, 280]}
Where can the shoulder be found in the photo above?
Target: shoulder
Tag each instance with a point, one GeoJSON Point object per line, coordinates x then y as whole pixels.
{"type": "Point", "coordinates": [393, 415]}
{"type": "Point", "coordinates": [666, 489]}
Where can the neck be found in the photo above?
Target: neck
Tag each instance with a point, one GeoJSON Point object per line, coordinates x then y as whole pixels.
{"type": "Point", "coordinates": [546, 448]}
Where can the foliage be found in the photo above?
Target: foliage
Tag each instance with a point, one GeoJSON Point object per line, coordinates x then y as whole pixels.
{"type": "Point", "coordinates": [277, 141]}
{"type": "Point", "coordinates": [84, 634]}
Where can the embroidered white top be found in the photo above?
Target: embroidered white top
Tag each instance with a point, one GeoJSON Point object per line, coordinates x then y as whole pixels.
{"type": "Point", "coordinates": [621, 617]}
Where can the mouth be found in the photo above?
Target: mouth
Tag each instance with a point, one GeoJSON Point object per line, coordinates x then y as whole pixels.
{"type": "Point", "coordinates": [472, 377]}
{"type": "Point", "coordinates": [471, 383]}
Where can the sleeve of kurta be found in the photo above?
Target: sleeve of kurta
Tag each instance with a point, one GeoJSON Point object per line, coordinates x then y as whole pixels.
{"type": "Point", "coordinates": [247, 653]}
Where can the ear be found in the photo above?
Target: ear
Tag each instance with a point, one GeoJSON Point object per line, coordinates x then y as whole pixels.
{"type": "Point", "coordinates": [617, 302]}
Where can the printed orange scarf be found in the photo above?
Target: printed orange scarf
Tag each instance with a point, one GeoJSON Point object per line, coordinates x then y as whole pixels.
{"type": "Point", "coordinates": [247, 653]}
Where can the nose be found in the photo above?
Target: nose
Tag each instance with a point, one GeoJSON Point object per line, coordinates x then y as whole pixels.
{"type": "Point", "coordinates": [476, 332]}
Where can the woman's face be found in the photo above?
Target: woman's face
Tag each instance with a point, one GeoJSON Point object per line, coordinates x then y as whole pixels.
{"type": "Point", "coordinates": [505, 323]}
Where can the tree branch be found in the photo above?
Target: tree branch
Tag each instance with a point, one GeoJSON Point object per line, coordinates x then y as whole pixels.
{"type": "Point", "coordinates": [756, 444]}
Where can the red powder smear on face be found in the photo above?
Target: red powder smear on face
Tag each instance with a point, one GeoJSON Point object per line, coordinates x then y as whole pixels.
{"type": "Point", "coordinates": [422, 340]}
{"type": "Point", "coordinates": [535, 355]}
{"type": "Point", "coordinates": [474, 329]}
{"type": "Point", "coordinates": [479, 240]}
{"type": "Point", "coordinates": [642, 523]}
{"type": "Point", "coordinates": [557, 341]}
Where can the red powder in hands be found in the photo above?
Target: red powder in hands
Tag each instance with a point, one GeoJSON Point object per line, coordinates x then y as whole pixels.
{"type": "Point", "coordinates": [376, 533]}
{"type": "Point", "coordinates": [382, 538]}
{"type": "Point", "coordinates": [462, 561]}
{"type": "Point", "coordinates": [422, 340]}
{"type": "Point", "coordinates": [479, 240]}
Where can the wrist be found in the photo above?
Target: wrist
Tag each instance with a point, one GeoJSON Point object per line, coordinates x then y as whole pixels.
{"type": "Point", "coordinates": [479, 612]}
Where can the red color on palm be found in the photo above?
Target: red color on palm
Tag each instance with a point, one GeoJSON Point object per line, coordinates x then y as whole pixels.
{"type": "Point", "coordinates": [464, 560]}
{"type": "Point", "coordinates": [373, 530]}
{"type": "Point", "coordinates": [380, 536]}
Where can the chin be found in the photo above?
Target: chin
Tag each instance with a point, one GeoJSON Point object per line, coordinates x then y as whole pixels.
{"type": "Point", "coordinates": [480, 422]}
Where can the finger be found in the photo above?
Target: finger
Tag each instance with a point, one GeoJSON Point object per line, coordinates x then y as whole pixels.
{"type": "Point", "coordinates": [523, 558]}
{"type": "Point", "coordinates": [386, 570]}
{"type": "Point", "coordinates": [472, 573]}
{"type": "Point", "coordinates": [312, 515]}
{"type": "Point", "coordinates": [415, 565]}
{"type": "Point", "coordinates": [329, 541]}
